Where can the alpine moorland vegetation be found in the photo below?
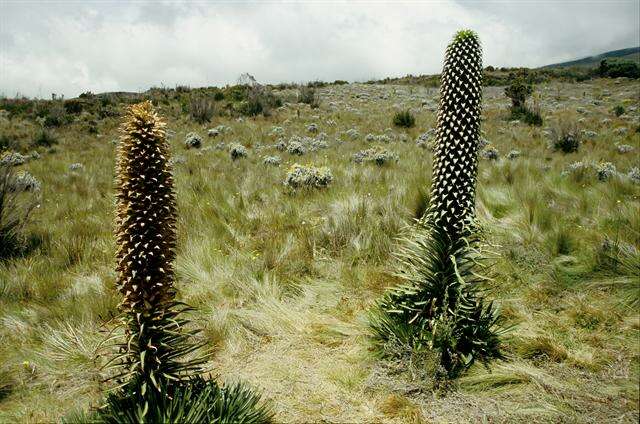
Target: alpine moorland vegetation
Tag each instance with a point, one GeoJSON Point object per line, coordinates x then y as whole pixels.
{"type": "Point", "coordinates": [281, 280]}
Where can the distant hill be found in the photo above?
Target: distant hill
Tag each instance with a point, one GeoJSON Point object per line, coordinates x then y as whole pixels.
{"type": "Point", "coordinates": [632, 53]}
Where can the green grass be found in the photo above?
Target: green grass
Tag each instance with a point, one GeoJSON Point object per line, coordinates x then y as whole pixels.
{"type": "Point", "coordinates": [282, 280]}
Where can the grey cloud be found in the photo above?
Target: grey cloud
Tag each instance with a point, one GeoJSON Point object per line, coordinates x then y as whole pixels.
{"type": "Point", "coordinates": [70, 47]}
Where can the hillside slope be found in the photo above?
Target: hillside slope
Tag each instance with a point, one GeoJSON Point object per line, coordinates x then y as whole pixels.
{"type": "Point", "coordinates": [632, 53]}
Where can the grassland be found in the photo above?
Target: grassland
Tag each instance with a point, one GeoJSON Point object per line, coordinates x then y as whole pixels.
{"type": "Point", "coordinates": [282, 279]}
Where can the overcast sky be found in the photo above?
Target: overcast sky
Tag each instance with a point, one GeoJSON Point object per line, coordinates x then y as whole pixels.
{"type": "Point", "coordinates": [68, 47]}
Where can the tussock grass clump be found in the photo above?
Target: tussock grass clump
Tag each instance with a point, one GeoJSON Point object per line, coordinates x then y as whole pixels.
{"type": "Point", "coordinates": [438, 307]}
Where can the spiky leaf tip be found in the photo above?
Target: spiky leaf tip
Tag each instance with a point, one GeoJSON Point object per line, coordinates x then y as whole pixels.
{"type": "Point", "coordinates": [463, 35]}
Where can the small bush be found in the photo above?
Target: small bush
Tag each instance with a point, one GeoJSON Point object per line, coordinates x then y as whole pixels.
{"type": "Point", "coordinates": [490, 153]}
{"type": "Point", "coordinates": [218, 96]}
{"type": "Point", "coordinates": [45, 138]}
{"type": "Point", "coordinates": [296, 148]}
{"type": "Point", "coordinates": [513, 154]}
{"type": "Point", "coordinates": [618, 110]}
{"type": "Point", "coordinates": [404, 119]}
{"type": "Point", "coordinates": [616, 68]}
{"type": "Point", "coordinates": [634, 175]}
{"type": "Point", "coordinates": [259, 100]}
{"type": "Point", "coordinates": [308, 95]}
{"type": "Point", "coordinates": [237, 151]}
{"type": "Point", "coordinates": [606, 170]}
{"type": "Point", "coordinates": [192, 141]}
{"type": "Point", "coordinates": [15, 210]}
{"type": "Point", "coordinates": [427, 140]}
{"type": "Point", "coordinates": [25, 182]}
{"type": "Point", "coordinates": [565, 137]}
{"type": "Point", "coordinates": [378, 156]}
{"type": "Point", "coordinates": [578, 171]}
{"type": "Point", "coordinates": [624, 148]}
{"type": "Point", "coordinates": [92, 126]}
{"type": "Point", "coordinates": [13, 159]}
{"type": "Point", "coordinates": [56, 117]}
{"type": "Point", "coordinates": [300, 176]}
{"type": "Point", "coordinates": [201, 110]}
{"type": "Point", "coordinates": [528, 116]}
{"type": "Point", "coordinates": [73, 106]}
{"type": "Point", "coordinates": [271, 160]}
{"type": "Point", "coordinates": [7, 143]}
{"type": "Point", "coordinates": [518, 91]}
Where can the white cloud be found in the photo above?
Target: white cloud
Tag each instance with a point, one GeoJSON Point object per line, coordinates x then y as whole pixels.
{"type": "Point", "coordinates": [72, 47]}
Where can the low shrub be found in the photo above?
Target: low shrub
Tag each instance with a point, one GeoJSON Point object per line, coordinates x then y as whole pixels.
{"type": "Point", "coordinates": [15, 211]}
{"type": "Point", "coordinates": [307, 95]}
{"type": "Point", "coordinates": [259, 100]}
{"type": "Point", "coordinates": [300, 176]}
{"type": "Point", "coordinates": [272, 160]}
{"type": "Point", "coordinates": [404, 119]}
{"type": "Point", "coordinates": [237, 151]}
{"type": "Point", "coordinates": [618, 110]}
{"type": "Point", "coordinates": [296, 148]}
{"type": "Point", "coordinates": [73, 106]}
{"type": "Point", "coordinates": [518, 91]}
{"type": "Point", "coordinates": [566, 137]}
{"type": "Point", "coordinates": [192, 141]}
{"type": "Point", "coordinates": [45, 138]}
{"type": "Point", "coordinates": [616, 68]}
{"type": "Point", "coordinates": [527, 115]}
{"type": "Point", "coordinates": [378, 156]}
{"type": "Point", "coordinates": [201, 110]}
{"type": "Point", "coordinates": [218, 95]}
{"type": "Point", "coordinates": [634, 175]}
{"type": "Point", "coordinates": [490, 153]}
{"type": "Point", "coordinates": [605, 171]}
{"type": "Point", "coordinates": [13, 159]}
{"type": "Point", "coordinates": [56, 117]}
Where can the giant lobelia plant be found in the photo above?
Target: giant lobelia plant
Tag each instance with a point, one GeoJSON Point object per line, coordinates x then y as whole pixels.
{"type": "Point", "coordinates": [439, 307]}
{"type": "Point", "coordinates": [160, 372]}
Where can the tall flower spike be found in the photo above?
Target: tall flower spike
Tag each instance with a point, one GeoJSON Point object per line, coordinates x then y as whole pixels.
{"type": "Point", "coordinates": [161, 378]}
{"type": "Point", "coordinates": [455, 163]}
{"type": "Point", "coordinates": [146, 216]}
{"type": "Point", "coordinates": [157, 340]}
{"type": "Point", "coordinates": [439, 304]}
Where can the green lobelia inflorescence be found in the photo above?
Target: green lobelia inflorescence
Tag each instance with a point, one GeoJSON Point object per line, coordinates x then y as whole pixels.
{"type": "Point", "coordinates": [455, 163]}
{"type": "Point", "coordinates": [438, 307]}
